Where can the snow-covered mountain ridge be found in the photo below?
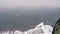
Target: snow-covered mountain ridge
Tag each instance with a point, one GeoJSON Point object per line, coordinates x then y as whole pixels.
{"type": "Point", "coordinates": [39, 29]}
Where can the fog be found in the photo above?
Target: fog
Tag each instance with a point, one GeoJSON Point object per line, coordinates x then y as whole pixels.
{"type": "Point", "coordinates": [29, 10]}
{"type": "Point", "coordinates": [29, 3]}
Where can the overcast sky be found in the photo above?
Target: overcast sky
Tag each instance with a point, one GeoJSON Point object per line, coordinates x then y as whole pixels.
{"type": "Point", "coordinates": [29, 3]}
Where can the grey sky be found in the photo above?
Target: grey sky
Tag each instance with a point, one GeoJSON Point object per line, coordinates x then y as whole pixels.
{"type": "Point", "coordinates": [29, 3]}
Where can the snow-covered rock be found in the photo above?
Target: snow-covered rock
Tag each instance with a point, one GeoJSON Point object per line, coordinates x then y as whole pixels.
{"type": "Point", "coordinates": [48, 29]}
{"type": "Point", "coordinates": [40, 25]}
{"type": "Point", "coordinates": [29, 31]}
{"type": "Point", "coordinates": [41, 29]}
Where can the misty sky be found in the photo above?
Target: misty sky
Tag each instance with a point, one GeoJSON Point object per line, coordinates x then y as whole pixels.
{"type": "Point", "coordinates": [29, 3]}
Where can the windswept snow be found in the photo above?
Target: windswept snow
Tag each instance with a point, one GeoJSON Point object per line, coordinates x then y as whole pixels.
{"type": "Point", "coordinates": [39, 29]}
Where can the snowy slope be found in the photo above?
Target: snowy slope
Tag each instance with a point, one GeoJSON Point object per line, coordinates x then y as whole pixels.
{"type": "Point", "coordinates": [39, 29]}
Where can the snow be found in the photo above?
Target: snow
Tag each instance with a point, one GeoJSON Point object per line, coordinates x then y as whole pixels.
{"type": "Point", "coordinates": [5, 32]}
{"type": "Point", "coordinates": [18, 32]}
{"type": "Point", "coordinates": [39, 29]}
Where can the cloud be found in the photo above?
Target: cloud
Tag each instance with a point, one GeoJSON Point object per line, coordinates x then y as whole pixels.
{"type": "Point", "coordinates": [29, 3]}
